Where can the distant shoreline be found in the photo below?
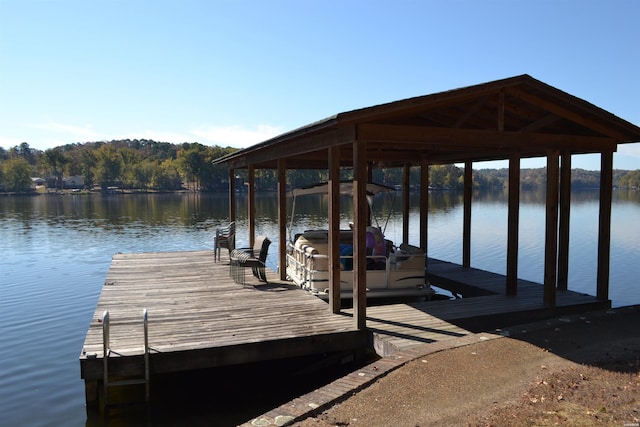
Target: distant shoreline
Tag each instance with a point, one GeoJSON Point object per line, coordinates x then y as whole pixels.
{"type": "Point", "coordinates": [122, 191]}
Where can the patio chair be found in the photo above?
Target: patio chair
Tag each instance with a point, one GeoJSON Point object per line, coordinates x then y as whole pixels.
{"type": "Point", "coordinates": [254, 258]}
{"type": "Point", "coordinates": [225, 238]}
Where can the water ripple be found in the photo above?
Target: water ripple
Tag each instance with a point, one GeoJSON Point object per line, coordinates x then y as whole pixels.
{"type": "Point", "coordinates": [56, 252]}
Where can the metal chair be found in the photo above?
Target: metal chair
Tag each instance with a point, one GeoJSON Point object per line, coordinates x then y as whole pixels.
{"type": "Point", "coordinates": [225, 238]}
{"type": "Point", "coordinates": [254, 258]}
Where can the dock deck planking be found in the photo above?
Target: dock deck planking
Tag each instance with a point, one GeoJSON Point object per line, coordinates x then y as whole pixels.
{"type": "Point", "coordinates": [194, 306]}
{"type": "Point", "coordinates": [401, 326]}
{"type": "Point", "coordinates": [200, 318]}
{"type": "Point", "coordinates": [492, 298]}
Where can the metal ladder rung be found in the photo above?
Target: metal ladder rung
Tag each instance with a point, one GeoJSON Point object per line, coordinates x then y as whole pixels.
{"type": "Point", "coordinates": [127, 382]}
{"type": "Point", "coordinates": [107, 351]}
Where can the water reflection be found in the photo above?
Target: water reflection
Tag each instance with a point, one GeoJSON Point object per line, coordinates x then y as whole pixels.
{"type": "Point", "coordinates": [56, 251]}
{"type": "Point", "coordinates": [188, 209]}
{"type": "Point", "coordinates": [114, 211]}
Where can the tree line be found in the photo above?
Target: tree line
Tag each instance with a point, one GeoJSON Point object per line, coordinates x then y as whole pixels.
{"type": "Point", "coordinates": [131, 164]}
{"type": "Point", "coordinates": [161, 166]}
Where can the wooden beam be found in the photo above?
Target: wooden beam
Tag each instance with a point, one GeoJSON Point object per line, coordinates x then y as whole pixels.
{"type": "Point", "coordinates": [424, 206]}
{"type": "Point", "coordinates": [565, 212]}
{"type": "Point", "coordinates": [251, 205]}
{"type": "Point", "coordinates": [513, 224]}
{"type": "Point", "coordinates": [466, 222]}
{"type": "Point", "coordinates": [547, 120]}
{"type": "Point", "coordinates": [550, 105]}
{"type": "Point", "coordinates": [406, 175]}
{"type": "Point", "coordinates": [439, 158]}
{"type": "Point", "coordinates": [424, 215]}
{"type": "Point", "coordinates": [299, 145]}
{"type": "Point", "coordinates": [604, 225]}
{"type": "Point", "coordinates": [427, 103]}
{"type": "Point", "coordinates": [282, 218]}
{"type": "Point", "coordinates": [470, 112]}
{"type": "Point", "coordinates": [232, 195]}
{"type": "Point", "coordinates": [370, 167]}
{"type": "Point", "coordinates": [396, 152]}
{"type": "Point", "coordinates": [551, 231]}
{"type": "Point", "coordinates": [334, 229]}
{"type": "Point", "coordinates": [481, 138]}
{"type": "Point", "coordinates": [501, 110]}
{"type": "Point", "coordinates": [360, 208]}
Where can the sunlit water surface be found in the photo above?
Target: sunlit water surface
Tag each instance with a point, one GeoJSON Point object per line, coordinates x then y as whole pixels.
{"type": "Point", "coordinates": [56, 251]}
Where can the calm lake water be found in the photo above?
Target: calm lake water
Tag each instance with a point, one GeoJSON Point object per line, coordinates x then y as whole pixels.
{"type": "Point", "coordinates": [56, 251]}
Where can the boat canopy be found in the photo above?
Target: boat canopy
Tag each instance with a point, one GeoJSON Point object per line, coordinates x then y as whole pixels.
{"type": "Point", "coordinates": [346, 187]}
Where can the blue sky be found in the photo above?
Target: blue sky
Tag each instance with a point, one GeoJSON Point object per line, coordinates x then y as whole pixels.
{"type": "Point", "coordinates": [234, 73]}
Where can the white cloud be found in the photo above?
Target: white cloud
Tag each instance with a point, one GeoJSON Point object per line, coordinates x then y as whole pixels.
{"type": "Point", "coordinates": [236, 136]}
{"type": "Point", "coordinates": [8, 142]}
{"type": "Point", "coordinates": [47, 134]}
{"type": "Point", "coordinates": [75, 132]}
{"type": "Point", "coordinates": [233, 136]}
{"type": "Point", "coordinates": [632, 150]}
{"type": "Point", "coordinates": [52, 134]}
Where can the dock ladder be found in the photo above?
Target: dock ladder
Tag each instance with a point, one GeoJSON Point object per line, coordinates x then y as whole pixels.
{"type": "Point", "coordinates": [107, 352]}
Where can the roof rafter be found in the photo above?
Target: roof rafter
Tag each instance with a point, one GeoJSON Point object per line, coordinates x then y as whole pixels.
{"type": "Point", "coordinates": [570, 114]}
{"type": "Point", "coordinates": [293, 147]}
{"type": "Point", "coordinates": [470, 138]}
{"type": "Point", "coordinates": [489, 121]}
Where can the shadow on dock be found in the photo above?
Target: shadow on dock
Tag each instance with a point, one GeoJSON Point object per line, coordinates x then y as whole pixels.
{"type": "Point", "coordinates": [227, 352]}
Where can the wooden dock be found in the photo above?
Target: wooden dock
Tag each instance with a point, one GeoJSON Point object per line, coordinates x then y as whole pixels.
{"type": "Point", "coordinates": [403, 332]}
{"type": "Point", "coordinates": [199, 318]}
{"type": "Point", "coordinates": [484, 306]}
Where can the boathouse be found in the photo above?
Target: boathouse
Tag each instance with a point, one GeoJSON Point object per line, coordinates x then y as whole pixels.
{"type": "Point", "coordinates": [510, 119]}
{"type": "Point", "coordinates": [199, 318]}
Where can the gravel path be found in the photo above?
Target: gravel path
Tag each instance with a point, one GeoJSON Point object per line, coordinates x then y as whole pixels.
{"type": "Point", "coordinates": [498, 382]}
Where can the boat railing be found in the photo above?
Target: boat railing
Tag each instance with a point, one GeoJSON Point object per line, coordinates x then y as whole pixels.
{"type": "Point", "coordinates": [306, 266]}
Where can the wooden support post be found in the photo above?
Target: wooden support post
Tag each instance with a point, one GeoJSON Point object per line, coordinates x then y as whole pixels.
{"type": "Point", "coordinates": [424, 206]}
{"type": "Point", "coordinates": [232, 195]}
{"type": "Point", "coordinates": [360, 208]}
{"type": "Point", "coordinates": [466, 222]}
{"type": "Point", "coordinates": [406, 171]}
{"type": "Point", "coordinates": [251, 205]}
{"type": "Point", "coordinates": [563, 230]}
{"type": "Point", "coordinates": [282, 218]}
{"type": "Point", "coordinates": [501, 110]}
{"type": "Point", "coordinates": [334, 229]}
{"type": "Point", "coordinates": [513, 223]}
{"type": "Point", "coordinates": [424, 214]}
{"type": "Point", "coordinates": [604, 225]}
{"type": "Point", "coordinates": [551, 231]}
{"type": "Point", "coordinates": [369, 179]}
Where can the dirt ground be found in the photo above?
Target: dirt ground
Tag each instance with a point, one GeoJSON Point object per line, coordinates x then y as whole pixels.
{"type": "Point", "coordinates": [577, 370]}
